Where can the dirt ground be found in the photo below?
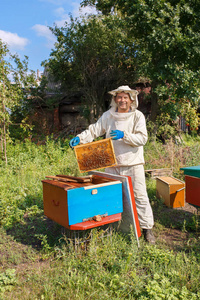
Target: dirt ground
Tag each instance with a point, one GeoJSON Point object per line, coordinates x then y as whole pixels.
{"type": "Point", "coordinates": [176, 233]}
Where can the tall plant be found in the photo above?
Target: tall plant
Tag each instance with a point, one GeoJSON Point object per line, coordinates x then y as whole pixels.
{"type": "Point", "coordinates": [14, 87]}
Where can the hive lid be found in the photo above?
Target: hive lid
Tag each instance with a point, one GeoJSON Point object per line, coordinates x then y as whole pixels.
{"type": "Point", "coordinates": [170, 180]}
{"type": "Point", "coordinates": [95, 155]}
{"type": "Point", "coordinates": [194, 168]}
{"type": "Point", "coordinates": [192, 171]}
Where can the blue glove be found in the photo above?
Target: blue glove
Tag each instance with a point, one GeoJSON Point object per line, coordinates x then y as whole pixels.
{"type": "Point", "coordinates": [74, 142]}
{"type": "Point", "coordinates": [117, 134]}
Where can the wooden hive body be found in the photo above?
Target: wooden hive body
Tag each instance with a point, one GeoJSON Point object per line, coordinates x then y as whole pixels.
{"type": "Point", "coordinates": [74, 202]}
{"type": "Point", "coordinates": [192, 190]}
{"type": "Point", "coordinates": [192, 184]}
{"type": "Point", "coordinates": [172, 190]}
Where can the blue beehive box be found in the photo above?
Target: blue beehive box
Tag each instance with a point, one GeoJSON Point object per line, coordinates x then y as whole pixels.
{"type": "Point", "coordinates": [70, 203]}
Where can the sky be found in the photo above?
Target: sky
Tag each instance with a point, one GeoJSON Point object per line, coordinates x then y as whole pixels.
{"type": "Point", "coordinates": [24, 26]}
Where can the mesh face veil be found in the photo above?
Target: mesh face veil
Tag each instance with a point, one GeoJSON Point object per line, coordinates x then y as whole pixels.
{"type": "Point", "coordinates": [126, 89]}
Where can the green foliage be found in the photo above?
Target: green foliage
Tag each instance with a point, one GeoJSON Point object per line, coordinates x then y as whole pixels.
{"type": "Point", "coordinates": [174, 281]}
{"type": "Point", "coordinates": [190, 115]}
{"type": "Point", "coordinates": [184, 151]}
{"type": "Point", "coordinates": [166, 32]}
{"type": "Point", "coordinates": [161, 288]}
{"type": "Point", "coordinates": [7, 280]}
{"type": "Point", "coordinates": [92, 54]}
{"type": "Point", "coordinates": [163, 127]}
{"type": "Point", "coordinates": [15, 85]}
{"type": "Point", "coordinates": [166, 39]}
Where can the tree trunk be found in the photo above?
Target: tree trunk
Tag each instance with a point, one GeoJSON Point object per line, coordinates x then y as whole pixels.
{"type": "Point", "coordinates": [1, 144]}
{"type": "Point", "coordinates": [4, 142]}
{"type": "Point", "coordinates": [3, 126]}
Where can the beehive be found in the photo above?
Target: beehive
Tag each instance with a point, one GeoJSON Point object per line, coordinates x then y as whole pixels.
{"type": "Point", "coordinates": [95, 155]}
{"type": "Point", "coordinates": [172, 190]}
{"type": "Point", "coordinates": [73, 203]}
{"type": "Point", "coordinates": [192, 183]}
{"type": "Point", "coordinates": [192, 190]}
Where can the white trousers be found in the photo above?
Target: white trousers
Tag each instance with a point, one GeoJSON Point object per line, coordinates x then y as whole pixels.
{"type": "Point", "coordinates": [137, 174]}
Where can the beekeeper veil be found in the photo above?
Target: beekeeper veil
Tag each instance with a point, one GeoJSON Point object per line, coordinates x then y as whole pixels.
{"type": "Point", "coordinates": [126, 89]}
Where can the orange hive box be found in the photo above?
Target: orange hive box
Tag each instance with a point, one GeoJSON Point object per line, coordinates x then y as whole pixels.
{"type": "Point", "coordinates": [172, 190]}
{"type": "Point", "coordinates": [95, 155]}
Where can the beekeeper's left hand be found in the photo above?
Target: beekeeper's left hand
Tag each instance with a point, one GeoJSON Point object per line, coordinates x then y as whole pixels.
{"type": "Point", "coordinates": [117, 134]}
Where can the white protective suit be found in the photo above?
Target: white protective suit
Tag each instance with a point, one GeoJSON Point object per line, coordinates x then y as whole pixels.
{"type": "Point", "coordinates": [128, 152]}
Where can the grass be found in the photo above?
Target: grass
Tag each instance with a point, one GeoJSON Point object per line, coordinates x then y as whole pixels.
{"type": "Point", "coordinates": [38, 261]}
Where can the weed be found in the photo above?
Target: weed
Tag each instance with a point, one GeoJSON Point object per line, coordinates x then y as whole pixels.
{"type": "Point", "coordinates": [7, 280]}
{"type": "Point", "coordinates": [184, 226]}
{"type": "Point", "coordinates": [171, 155]}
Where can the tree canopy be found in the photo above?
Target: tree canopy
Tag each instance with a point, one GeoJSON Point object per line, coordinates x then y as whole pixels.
{"type": "Point", "coordinates": [92, 55]}
{"type": "Point", "coordinates": [167, 42]}
{"type": "Point", "coordinates": [129, 40]}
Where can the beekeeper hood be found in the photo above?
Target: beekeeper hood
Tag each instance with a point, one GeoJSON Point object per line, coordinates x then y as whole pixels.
{"type": "Point", "coordinates": [126, 89]}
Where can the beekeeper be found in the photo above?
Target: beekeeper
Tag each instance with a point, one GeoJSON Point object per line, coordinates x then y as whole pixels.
{"type": "Point", "coordinates": [127, 127]}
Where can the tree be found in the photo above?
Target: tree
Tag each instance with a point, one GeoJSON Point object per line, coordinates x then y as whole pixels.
{"type": "Point", "coordinates": [15, 83]}
{"type": "Point", "coordinates": [166, 35]}
{"type": "Point", "coordinates": [92, 55]}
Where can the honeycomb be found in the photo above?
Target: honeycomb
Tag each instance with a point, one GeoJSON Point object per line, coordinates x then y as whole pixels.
{"type": "Point", "coordinates": [95, 155]}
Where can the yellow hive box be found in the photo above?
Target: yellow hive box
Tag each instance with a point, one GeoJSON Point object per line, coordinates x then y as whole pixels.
{"type": "Point", "coordinates": [172, 190]}
{"type": "Point", "coordinates": [95, 155]}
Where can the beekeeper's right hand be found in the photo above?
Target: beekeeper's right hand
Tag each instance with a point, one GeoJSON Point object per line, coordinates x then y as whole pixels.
{"type": "Point", "coordinates": [74, 142]}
